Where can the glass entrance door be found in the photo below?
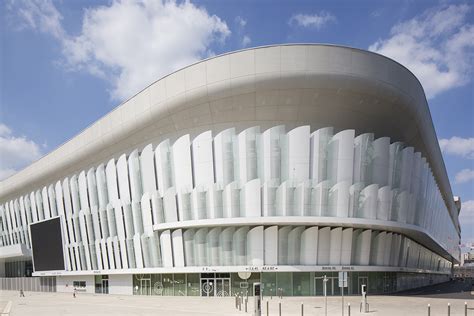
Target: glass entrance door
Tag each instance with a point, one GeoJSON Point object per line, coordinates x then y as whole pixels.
{"type": "Point", "coordinates": [362, 281]}
{"type": "Point", "coordinates": [222, 286]}
{"type": "Point", "coordinates": [331, 286]}
{"type": "Point", "coordinates": [207, 287]}
{"type": "Point", "coordinates": [105, 286]}
{"type": "Point", "coordinates": [145, 287]}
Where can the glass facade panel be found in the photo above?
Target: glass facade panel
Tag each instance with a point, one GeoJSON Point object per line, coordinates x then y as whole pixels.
{"type": "Point", "coordinates": [179, 281]}
{"type": "Point", "coordinates": [192, 286]}
{"type": "Point", "coordinates": [301, 284]}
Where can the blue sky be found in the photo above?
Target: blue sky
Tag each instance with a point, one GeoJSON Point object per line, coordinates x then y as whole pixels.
{"type": "Point", "coordinates": [64, 64]}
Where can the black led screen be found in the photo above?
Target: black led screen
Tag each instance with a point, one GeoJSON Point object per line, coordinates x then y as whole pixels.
{"type": "Point", "coordinates": [47, 245]}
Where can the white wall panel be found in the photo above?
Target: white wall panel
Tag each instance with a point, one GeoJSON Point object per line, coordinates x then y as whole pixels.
{"type": "Point", "coordinates": [384, 204]}
{"type": "Point", "coordinates": [223, 156]}
{"type": "Point", "coordinates": [295, 154]}
{"type": "Point", "coordinates": [147, 168]}
{"type": "Point", "coordinates": [178, 251]}
{"type": "Point", "coordinates": [338, 199]}
{"type": "Point", "coordinates": [215, 201]}
{"type": "Point", "coordinates": [336, 246]}
{"type": "Point", "coordinates": [247, 159]}
{"type": "Point", "coordinates": [227, 246]}
{"type": "Point", "coordinates": [188, 244]}
{"type": "Point", "coordinates": [202, 160]}
{"type": "Point", "coordinates": [166, 249]}
{"type": "Point", "coordinates": [368, 201]}
{"type": "Point", "coordinates": [231, 200]}
{"type": "Point", "coordinates": [157, 208]}
{"type": "Point", "coordinates": [214, 249]}
{"type": "Point", "coordinates": [122, 177]}
{"type": "Point", "coordinates": [294, 245]}
{"type": "Point", "coordinates": [250, 199]}
{"type": "Point", "coordinates": [363, 151]}
{"type": "Point", "coordinates": [341, 157]}
{"type": "Point", "coordinates": [346, 248]}
{"type": "Point", "coordinates": [146, 210]}
{"type": "Point", "coordinates": [324, 244]}
{"type": "Point", "coordinates": [102, 194]}
{"type": "Point", "coordinates": [135, 176]}
{"type": "Point", "coordinates": [271, 245]}
{"type": "Point", "coordinates": [39, 205]}
{"type": "Point", "coordinates": [309, 246]}
{"type": "Point", "coordinates": [240, 246]}
{"type": "Point", "coordinates": [52, 201]}
{"type": "Point", "coordinates": [183, 174]}
{"type": "Point", "coordinates": [255, 246]}
{"type": "Point", "coordinates": [169, 206]}
{"type": "Point", "coordinates": [137, 247]}
{"type": "Point", "coordinates": [319, 153]}
{"type": "Point", "coordinates": [380, 161]}
{"type": "Point", "coordinates": [45, 199]}
{"type": "Point", "coordinates": [163, 164]}
{"type": "Point", "coordinates": [269, 165]}
{"type": "Point", "coordinates": [34, 210]}
{"type": "Point", "coordinates": [83, 197]}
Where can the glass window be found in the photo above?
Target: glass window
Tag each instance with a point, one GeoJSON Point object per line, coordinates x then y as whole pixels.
{"type": "Point", "coordinates": [179, 284]}
{"type": "Point", "coordinates": [192, 284]}
{"type": "Point", "coordinates": [284, 283]}
{"type": "Point", "coordinates": [167, 284]}
{"type": "Point", "coordinates": [301, 284]}
{"type": "Point", "coordinates": [269, 283]}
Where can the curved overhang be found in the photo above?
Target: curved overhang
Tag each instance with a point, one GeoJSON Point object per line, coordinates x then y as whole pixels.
{"type": "Point", "coordinates": [315, 84]}
{"type": "Point", "coordinates": [414, 232]}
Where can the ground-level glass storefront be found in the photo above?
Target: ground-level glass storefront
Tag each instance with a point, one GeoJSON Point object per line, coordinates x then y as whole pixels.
{"type": "Point", "coordinates": [276, 283]}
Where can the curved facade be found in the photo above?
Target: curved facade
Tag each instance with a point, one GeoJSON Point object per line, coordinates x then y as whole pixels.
{"type": "Point", "coordinates": [286, 162]}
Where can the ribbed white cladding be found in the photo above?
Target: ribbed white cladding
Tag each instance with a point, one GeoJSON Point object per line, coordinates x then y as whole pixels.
{"type": "Point", "coordinates": [108, 213]}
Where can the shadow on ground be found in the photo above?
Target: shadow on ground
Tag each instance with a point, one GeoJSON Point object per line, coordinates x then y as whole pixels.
{"type": "Point", "coordinates": [456, 289]}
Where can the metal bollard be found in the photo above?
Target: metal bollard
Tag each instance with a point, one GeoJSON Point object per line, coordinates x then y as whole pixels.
{"type": "Point", "coordinates": [302, 309]}
{"type": "Point", "coordinates": [268, 310]}
{"type": "Point", "coordinates": [279, 309]}
{"type": "Point", "coordinates": [240, 303]}
{"type": "Point", "coordinates": [246, 301]}
{"type": "Point", "coordinates": [349, 309]}
{"type": "Point", "coordinates": [429, 310]}
{"type": "Point", "coordinates": [449, 309]}
{"type": "Point", "coordinates": [465, 308]}
{"type": "Point", "coordinates": [236, 302]}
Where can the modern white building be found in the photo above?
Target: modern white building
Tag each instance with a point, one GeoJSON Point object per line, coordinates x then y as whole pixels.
{"type": "Point", "coordinates": [278, 164]}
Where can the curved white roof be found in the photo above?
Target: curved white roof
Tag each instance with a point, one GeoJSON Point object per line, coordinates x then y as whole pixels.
{"type": "Point", "coordinates": [320, 85]}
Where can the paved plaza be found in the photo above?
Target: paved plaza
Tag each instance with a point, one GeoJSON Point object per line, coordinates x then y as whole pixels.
{"type": "Point", "coordinates": [410, 303]}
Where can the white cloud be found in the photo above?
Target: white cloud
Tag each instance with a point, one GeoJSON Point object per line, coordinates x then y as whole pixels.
{"type": "Point", "coordinates": [467, 212]}
{"type": "Point", "coordinates": [464, 176]}
{"type": "Point", "coordinates": [133, 43]}
{"type": "Point", "coordinates": [241, 21]}
{"type": "Point", "coordinates": [463, 147]}
{"type": "Point", "coordinates": [246, 41]}
{"type": "Point", "coordinates": [40, 15]}
{"type": "Point", "coordinates": [15, 152]}
{"type": "Point", "coordinates": [437, 46]}
{"type": "Point", "coordinates": [317, 20]}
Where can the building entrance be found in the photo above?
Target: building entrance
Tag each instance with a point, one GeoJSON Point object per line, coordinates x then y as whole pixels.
{"type": "Point", "coordinates": [145, 287]}
{"type": "Point", "coordinates": [332, 286]}
{"type": "Point", "coordinates": [215, 284]}
{"type": "Point", "coordinates": [102, 284]}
